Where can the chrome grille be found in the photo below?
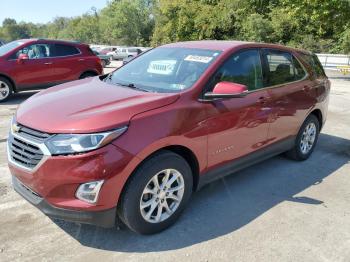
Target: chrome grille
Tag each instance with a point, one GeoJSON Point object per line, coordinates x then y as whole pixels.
{"type": "Point", "coordinates": [24, 147]}
{"type": "Point", "coordinates": [32, 134]}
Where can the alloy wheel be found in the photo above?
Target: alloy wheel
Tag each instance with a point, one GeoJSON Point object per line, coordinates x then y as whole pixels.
{"type": "Point", "coordinates": [4, 90]}
{"type": "Point", "coordinates": [308, 138]}
{"type": "Point", "coordinates": [162, 196]}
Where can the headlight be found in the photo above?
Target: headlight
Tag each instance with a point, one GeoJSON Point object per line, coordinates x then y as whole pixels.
{"type": "Point", "coordinates": [63, 144]}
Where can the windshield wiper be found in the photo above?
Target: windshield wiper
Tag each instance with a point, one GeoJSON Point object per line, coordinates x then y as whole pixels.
{"type": "Point", "coordinates": [131, 85]}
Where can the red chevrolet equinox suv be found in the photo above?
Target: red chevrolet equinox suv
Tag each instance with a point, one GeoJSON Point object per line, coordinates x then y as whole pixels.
{"type": "Point", "coordinates": [39, 63]}
{"type": "Point", "coordinates": [133, 146]}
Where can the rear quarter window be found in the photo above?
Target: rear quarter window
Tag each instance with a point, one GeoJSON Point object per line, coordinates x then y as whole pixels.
{"type": "Point", "coordinates": [314, 64]}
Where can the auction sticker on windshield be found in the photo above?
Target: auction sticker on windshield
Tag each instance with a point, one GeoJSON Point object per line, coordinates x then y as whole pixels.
{"type": "Point", "coordinates": [198, 58]}
{"type": "Point", "coordinates": [161, 67]}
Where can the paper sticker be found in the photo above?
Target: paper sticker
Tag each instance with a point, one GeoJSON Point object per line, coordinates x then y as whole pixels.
{"type": "Point", "coordinates": [161, 67]}
{"type": "Point", "coordinates": [198, 58]}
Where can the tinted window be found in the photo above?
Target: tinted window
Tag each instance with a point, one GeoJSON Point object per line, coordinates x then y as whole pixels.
{"type": "Point", "coordinates": [36, 51]}
{"type": "Point", "coordinates": [65, 50]}
{"type": "Point", "coordinates": [282, 68]}
{"type": "Point", "coordinates": [242, 68]}
{"type": "Point", "coordinates": [318, 66]}
{"type": "Point", "coordinates": [314, 63]}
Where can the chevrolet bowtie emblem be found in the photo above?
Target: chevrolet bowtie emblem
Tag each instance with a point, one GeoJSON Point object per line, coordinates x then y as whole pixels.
{"type": "Point", "coordinates": [15, 128]}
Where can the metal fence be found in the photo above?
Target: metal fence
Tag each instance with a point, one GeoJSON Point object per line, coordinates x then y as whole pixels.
{"type": "Point", "coordinates": [332, 61]}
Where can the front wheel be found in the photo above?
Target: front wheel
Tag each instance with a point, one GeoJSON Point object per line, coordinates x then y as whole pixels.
{"type": "Point", "coordinates": [306, 139]}
{"type": "Point", "coordinates": [156, 194]}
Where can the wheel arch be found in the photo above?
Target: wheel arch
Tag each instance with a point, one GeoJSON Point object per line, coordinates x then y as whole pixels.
{"type": "Point", "coordinates": [90, 71]}
{"type": "Point", "coordinates": [180, 150]}
{"type": "Point", "coordinates": [318, 114]}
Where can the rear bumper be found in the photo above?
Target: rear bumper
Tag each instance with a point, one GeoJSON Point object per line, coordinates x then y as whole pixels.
{"type": "Point", "coordinates": [104, 218]}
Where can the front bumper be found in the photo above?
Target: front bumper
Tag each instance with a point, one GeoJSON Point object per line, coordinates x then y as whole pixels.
{"type": "Point", "coordinates": [105, 218]}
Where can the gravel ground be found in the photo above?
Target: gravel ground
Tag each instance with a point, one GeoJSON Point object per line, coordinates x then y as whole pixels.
{"type": "Point", "coordinates": [278, 210]}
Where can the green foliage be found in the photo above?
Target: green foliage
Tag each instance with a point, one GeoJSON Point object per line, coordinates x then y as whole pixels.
{"type": "Point", "coordinates": [316, 25]}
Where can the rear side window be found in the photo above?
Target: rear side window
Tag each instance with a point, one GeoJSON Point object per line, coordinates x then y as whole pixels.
{"type": "Point", "coordinates": [65, 50]}
{"type": "Point", "coordinates": [282, 67]}
{"type": "Point", "coordinates": [242, 68]}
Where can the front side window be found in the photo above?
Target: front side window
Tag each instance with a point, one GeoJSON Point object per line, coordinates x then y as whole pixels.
{"type": "Point", "coordinates": [165, 70]}
{"type": "Point", "coordinates": [36, 51]}
{"type": "Point", "coordinates": [242, 68]}
{"type": "Point", "coordinates": [282, 68]}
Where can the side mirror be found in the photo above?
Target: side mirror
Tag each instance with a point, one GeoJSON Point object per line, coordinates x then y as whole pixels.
{"type": "Point", "coordinates": [225, 89]}
{"type": "Point", "coordinates": [22, 57]}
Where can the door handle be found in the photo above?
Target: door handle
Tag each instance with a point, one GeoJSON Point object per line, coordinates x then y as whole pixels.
{"type": "Point", "coordinates": [48, 63]}
{"type": "Point", "coordinates": [81, 59]}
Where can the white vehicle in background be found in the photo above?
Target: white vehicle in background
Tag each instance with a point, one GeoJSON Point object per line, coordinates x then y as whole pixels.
{"type": "Point", "coordinates": [123, 52]}
{"type": "Point", "coordinates": [108, 49]}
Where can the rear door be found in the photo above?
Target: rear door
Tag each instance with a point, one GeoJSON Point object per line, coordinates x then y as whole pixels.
{"type": "Point", "coordinates": [67, 61]}
{"type": "Point", "coordinates": [290, 91]}
{"type": "Point", "coordinates": [35, 72]}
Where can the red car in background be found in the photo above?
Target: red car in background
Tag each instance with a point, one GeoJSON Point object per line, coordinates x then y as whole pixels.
{"type": "Point", "coordinates": [39, 63]}
{"type": "Point", "coordinates": [135, 144]}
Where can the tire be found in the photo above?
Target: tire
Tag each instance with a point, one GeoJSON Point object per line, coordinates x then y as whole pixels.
{"type": "Point", "coordinates": [6, 89]}
{"type": "Point", "coordinates": [130, 210]}
{"type": "Point", "coordinates": [87, 74]}
{"type": "Point", "coordinates": [297, 152]}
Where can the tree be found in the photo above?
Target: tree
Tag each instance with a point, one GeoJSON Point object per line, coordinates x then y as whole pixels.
{"type": "Point", "coordinates": [127, 22]}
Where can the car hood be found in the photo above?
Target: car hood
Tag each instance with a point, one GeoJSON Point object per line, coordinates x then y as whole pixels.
{"type": "Point", "coordinates": [86, 106]}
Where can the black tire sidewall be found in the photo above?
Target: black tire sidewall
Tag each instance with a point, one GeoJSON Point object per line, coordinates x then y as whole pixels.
{"type": "Point", "coordinates": [10, 87]}
{"type": "Point", "coordinates": [301, 155]}
{"type": "Point", "coordinates": [129, 210]}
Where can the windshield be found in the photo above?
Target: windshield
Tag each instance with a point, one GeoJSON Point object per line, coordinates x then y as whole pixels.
{"type": "Point", "coordinates": [165, 70]}
{"type": "Point", "coordinates": [9, 46]}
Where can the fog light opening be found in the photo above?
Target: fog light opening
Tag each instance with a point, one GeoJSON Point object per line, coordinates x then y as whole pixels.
{"type": "Point", "coordinates": [88, 192]}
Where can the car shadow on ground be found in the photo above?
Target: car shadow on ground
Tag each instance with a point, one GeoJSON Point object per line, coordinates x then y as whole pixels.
{"type": "Point", "coordinates": [229, 203]}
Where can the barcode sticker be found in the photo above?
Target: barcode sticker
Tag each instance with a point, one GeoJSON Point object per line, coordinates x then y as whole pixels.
{"type": "Point", "coordinates": [198, 58]}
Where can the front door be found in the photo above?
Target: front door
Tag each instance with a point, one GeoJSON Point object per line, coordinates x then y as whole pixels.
{"type": "Point", "coordinates": [35, 72]}
{"type": "Point", "coordinates": [238, 126]}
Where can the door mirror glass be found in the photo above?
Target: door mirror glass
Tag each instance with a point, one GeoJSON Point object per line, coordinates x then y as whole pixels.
{"type": "Point", "coordinates": [227, 90]}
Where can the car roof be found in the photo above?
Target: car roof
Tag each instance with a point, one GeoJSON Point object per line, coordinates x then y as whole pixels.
{"type": "Point", "coordinates": [33, 40]}
{"type": "Point", "coordinates": [224, 45]}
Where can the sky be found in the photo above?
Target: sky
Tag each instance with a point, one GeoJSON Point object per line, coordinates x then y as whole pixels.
{"type": "Point", "coordinates": [42, 11]}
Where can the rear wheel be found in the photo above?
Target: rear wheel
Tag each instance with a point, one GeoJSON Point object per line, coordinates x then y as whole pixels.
{"type": "Point", "coordinates": [6, 89]}
{"type": "Point", "coordinates": [306, 139]}
{"type": "Point", "coordinates": [156, 194]}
